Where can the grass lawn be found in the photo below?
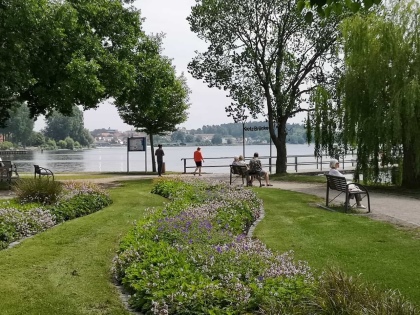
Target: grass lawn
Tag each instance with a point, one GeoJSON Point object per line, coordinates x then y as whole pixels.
{"type": "Point", "coordinates": [66, 270]}
{"type": "Point", "coordinates": [380, 252]}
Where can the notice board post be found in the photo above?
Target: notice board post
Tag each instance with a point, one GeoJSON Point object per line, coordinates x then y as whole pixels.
{"type": "Point", "coordinates": [136, 144]}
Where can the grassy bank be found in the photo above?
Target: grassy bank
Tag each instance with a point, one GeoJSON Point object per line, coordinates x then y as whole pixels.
{"type": "Point", "coordinates": [380, 252]}
{"type": "Point", "coordinates": [66, 270]}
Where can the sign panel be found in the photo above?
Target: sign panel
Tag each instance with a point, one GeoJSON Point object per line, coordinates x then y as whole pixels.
{"type": "Point", "coordinates": [136, 144]}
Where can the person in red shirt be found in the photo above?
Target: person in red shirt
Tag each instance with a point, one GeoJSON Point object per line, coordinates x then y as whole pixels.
{"type": "Point", "coordinates": [199, 160]}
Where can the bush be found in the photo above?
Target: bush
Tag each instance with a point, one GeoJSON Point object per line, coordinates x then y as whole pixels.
{"type": "Point", "coordinates": [192, 256]}
{"type": "Point", "coordinates": [20, 218]}
{"type": "Point", "coordinates": [40, 190]}
{"type": "Point", "coordinates": [78, 206]}
{"type": "Point", "coordinates": [6, 145]}
{"type": "Point", "coordinates": [339, 293]}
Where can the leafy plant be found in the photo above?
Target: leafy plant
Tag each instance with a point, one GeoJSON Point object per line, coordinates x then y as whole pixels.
{"type": "Point", "coordinates": [192, 256]}
{"type": "Point", "coordinates": [40, 190]}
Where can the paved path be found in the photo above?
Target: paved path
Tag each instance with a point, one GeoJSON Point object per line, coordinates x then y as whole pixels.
{"type": "Point", "coordinates": [400, 210]}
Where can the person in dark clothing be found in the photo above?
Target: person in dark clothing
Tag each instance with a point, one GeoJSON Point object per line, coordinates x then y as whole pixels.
{"type": "Point", "coordinates": [159, 158]}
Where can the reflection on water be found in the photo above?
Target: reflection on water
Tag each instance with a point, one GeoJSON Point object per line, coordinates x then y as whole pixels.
{"type": "Point", "coordinates": [115, 159]}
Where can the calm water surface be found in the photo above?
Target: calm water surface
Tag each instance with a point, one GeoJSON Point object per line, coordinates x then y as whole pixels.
{"type": "Point", "coordinates": [114, 159]}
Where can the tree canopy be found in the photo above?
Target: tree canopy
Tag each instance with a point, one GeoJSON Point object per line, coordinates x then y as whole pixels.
{"type": "Point", "coordinates": [59, 127]}
{"type": "Point", "coordinates": [159, 100]}
{"type": "Point", "coordinates": [56, 54]}
{"type": "Point", "coordinates": [378, 100]}
{"type": "Point", "coordinates": [19, 126]}
{"type": "Point", "coordinates": [266, 56]}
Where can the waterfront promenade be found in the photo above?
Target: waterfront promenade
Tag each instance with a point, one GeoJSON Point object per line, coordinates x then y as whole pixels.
{"type": "Point", "coordinates": [399, 210]}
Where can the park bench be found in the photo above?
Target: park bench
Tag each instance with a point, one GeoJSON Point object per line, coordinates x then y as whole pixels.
{"type": "Point", "coordinates": [340, 184]}
{"type": "Point", "coordinates": [42, 171]}
{"type": "Point", "coordinates": [8, 172]}
{"type": "Point", "coordinates": [243, 173]}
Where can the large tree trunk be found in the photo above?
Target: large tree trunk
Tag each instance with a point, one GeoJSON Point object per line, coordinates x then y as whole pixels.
{"type": "Point", "coordinates": [152, 151]}
{"type": "Point", "coordinates": [410, 178]}
{"type": "Point", "coordinates": [280, 142]}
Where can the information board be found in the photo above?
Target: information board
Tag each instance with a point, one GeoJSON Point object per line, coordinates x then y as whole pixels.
{"type": "Point", "coordinates": [136, 144]}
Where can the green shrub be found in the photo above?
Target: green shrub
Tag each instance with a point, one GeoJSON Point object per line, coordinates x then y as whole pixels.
{"type": "Point", "coordinates": [339, 293]}
{"type": "Point", "coordinates": [78, 206]}
{"type": "Point", "coordinates": [40, 190]}
{"type": "Point", "coordinates": [6, 145]}
{"type": "Point", "coordinates": [192, 257]}
{"type": "Point", "coordinates": [30, 213]}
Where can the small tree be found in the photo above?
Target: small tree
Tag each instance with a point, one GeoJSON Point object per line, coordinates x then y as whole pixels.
{"type": "Point", "coordinates": [159, 101]}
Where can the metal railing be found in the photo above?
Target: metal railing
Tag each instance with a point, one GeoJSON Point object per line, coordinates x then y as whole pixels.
{"type": "Point", "coordinates": [294, 161]}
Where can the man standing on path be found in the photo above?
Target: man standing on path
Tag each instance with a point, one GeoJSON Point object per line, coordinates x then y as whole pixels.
{"type": "Point", "coordinates": [159, 156]}
{"type": "Point", "coordinates": [199, 160]}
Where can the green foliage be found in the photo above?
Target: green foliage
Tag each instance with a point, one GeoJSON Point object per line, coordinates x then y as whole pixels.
{"type": "Point", "coordinates": [79, 206]}
{"type": "Point", "coordinates": [325, 8]}
{"type": "Point", "coordinates": [190, 257]}
{"type": "Point", "coordinates": [50, 145]}
{"type": "Point", "coordinates": [68, 128]}
{"type": "Point", "coordinates": [338, 291]}
{"type": "Point", "coordinates": [42, 190]}
{"type": "Point", "coordinates": [56, 54]}
{"type": "Point", "coordinates": [266, 56]}
{"type": "Point", "coordinates": [6, 145]}
{"type": "Point", "coordinates": [378, 95]}
{"type": "Point", "coordinates": [19, 125]}
{"type": "Point", "coordinates": [354, 244]}
{"type": "Point", "coordinates": [159, 100]}
{"type": "Point", "coordinates": [41, 204]}
{"type": "Point", "coordinates": [37, 139]}
{"type": "Point", "coordinates": [217, 139]}
{"type": "Point", "coordinates": [62, 144]}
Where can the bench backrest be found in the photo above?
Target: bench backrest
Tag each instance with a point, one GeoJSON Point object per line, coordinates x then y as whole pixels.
{"type": "Point", "coordinates": [336, 182]}
{"type": "Point", "coordinates": [239, 169]}
{"type": "Point", "coordinates": [7, 164]}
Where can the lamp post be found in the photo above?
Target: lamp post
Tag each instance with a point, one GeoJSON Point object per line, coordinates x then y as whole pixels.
{"type": "Point", "coordinates": [243, 139]}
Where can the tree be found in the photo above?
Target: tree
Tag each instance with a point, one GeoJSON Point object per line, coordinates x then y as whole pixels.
{"type": "Point", "coordinates": [56, 54]}
{"type": "Point", "coordinates": [37, 139]}
{"type": "Point", "coordinates": [178, 136]}
{"type": "Point", "coordinates": [380, 92]}
{"type": "Point", "coordinates": [217, 139]}
{"type": "Point", "coordinates": [59, 127]}
{"type": "Point", "coordinates": [266, 55]}
{"type": "Point", "coordinates": [324, 7]}
{"type": "Point", "coordinates": [158, 102]}
{"type": "Point", "coordinates": [189, 138]}
{"type": "Point", "coordinates": [19, 126]}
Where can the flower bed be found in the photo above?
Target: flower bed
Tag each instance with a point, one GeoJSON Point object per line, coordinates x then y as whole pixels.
{"type": "Point", "coordinates": [193, 256]}
{"type": "Point", "coordinates": [21, 217]}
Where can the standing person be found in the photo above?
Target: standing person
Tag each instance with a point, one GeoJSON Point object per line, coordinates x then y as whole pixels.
{"type": "Point", "coordinates": [159, 157]}
{"type": "Point", "coordinates": [199, 160]}
{"type": "Point", "coordinates": [334, 165]}
{"type": "Point", "coordinates": [256, 168]}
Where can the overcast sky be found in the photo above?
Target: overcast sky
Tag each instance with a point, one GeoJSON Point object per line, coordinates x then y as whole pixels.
{"type": "Point", "coordinates": [169, 16]}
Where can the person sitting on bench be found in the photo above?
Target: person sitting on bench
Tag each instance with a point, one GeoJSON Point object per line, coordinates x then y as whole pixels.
{"type": "Point", "coordinates": [256, 168]}
{"type": "Point", "coordinates": [334, 165]}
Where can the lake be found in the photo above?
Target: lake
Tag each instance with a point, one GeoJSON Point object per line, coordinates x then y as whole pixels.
{"type": "Point", "coordinates": [114, 159]}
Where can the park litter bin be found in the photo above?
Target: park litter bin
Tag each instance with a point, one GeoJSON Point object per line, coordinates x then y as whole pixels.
{"type": "Point", "coordinates": [163, 167]}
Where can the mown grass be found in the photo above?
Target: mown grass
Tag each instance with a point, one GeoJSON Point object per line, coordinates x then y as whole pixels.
{"type": "Point", "coordinates": [66, 270]}
{"type": "Point", "coordinates": [382, 253]}
{"type": "Point", "coordinates": [298, 178]}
